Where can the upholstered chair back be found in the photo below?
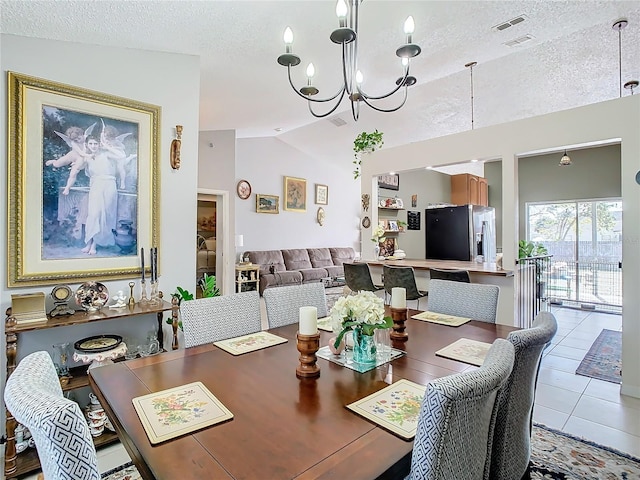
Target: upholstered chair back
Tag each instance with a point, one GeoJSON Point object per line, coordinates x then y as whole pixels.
{"type": "Point", "coordinates": [457, 417]}
{"type": "Point", "coordinates": [358, 277]}
{"type": "Point", "coordinates": [512, 436]}
{"type": "Point", "coordinates": [403, 277]}
{"type": "Point", "coordinates": [34, 397]}
{"type": "Point", "coordinates": [453, 275]}
{"type": "Point", "coordinates": [469, 300]}
{"type": "Point", "coordinates": [283, 303]}
{"type": "Point", "coordinates": [208, 320]}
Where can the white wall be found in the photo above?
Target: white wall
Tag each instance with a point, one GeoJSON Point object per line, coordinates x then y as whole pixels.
{"type": "Point", "coordinates": [168, 80]}
{"type": "Point", "coordinates": [264, 162]}
{"type": "Point", "coordinates": [606, 121]}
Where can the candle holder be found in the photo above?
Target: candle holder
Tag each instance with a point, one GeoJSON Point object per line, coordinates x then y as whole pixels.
{"type": "Point", "coordinates": [154, 293]}
{"type": "Point", "coordinates": [143, 296]}
{"type": "Point", "coordinates": [308, 345]}
{"type": "Point", "coordinates": [399, 316]}
{"type": "Point", "coordinates": [132, 301]}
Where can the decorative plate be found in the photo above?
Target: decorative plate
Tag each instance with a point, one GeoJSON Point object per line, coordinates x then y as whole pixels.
{"type": "Point", "coordinates": [366, 222]}
{"type": "Point", "coordinates": [98, 343]}
{"type": "Point", "coordinates": [92, 296]}
{"type": "Point", "coordinates": [243, 189]}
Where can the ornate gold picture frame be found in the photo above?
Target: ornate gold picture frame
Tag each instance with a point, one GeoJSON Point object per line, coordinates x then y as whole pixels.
{"type": "Point", "coordinates": [267, 203]}
{"type": "Point", "coordinates": [82, 182]}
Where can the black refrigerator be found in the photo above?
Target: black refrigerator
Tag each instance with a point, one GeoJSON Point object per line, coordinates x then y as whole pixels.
{"type": "Point", "coordinates": [465, 232]}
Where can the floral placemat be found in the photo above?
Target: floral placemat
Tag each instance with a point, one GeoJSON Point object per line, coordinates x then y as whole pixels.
{"type": "Point", "coordinates": [178, 411]}
{"type": "Point", "coordinates": [441, 318]}
{"type": "Point", "coordinates": [324, 323]}
{"type": "Point", "coordinates": [249, 343]}
{"type": "Point", "coordinates": [395, 408]}
{"type": "Point", "coordinates": [466, 350]}
{"type": "Point", "coordinates": [345, 359]}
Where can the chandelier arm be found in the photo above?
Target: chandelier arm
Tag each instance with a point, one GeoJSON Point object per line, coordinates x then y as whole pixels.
{"type": "Point", "coordinates": [346, 59]}
{"type": "Point", "coordinates": [355, 110]}
{"type": "Point", "coordinates": [400, 85]}
{"type": "Point", "coordinates": [318, 115]}
{"type": "Point", "coordinates": [306, 97]}
{"type": "Point", "coordinates": [384, 110]}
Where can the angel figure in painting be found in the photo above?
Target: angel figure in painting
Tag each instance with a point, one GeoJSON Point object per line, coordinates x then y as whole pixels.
{"type": "Point", "coordinates": [75, 138]}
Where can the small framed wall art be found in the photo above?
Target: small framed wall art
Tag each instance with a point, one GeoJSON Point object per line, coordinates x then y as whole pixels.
{"type": "Point", "coordinates": [295, 194]}
{"type": "Point", "coordinates": [243, 189]}
{"type": "Point", "coordinates": [267, 203]}
{"type": "Point", "coordinates": [390, 181]}
{"type": "Point", "coordinates": [322, 194]}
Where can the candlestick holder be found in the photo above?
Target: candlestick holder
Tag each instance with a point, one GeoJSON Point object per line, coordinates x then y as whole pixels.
{"type": "Point", "coordinates": [143, 295]}
{"type": "Point", "coordinates": [308, 345]}
{"type": "Point", "coordinates": [132, 301]}
{"type": "Point", "coordinates": [154, 293]}
{"type": "Point", "coordinates": [399, 316]}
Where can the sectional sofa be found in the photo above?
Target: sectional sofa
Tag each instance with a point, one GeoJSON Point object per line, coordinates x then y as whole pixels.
{"type": "Point", "coordinates": [300, 265]}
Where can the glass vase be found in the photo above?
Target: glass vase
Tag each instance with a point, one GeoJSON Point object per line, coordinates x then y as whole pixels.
{"type": "Point", "coordinates": [60, 357]}
{"type": "Point", "coordinates": [364, 348]}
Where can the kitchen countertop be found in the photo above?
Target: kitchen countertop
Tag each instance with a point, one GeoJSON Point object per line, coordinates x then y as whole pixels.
{"type": "Point", "coordinates": [421, 264]}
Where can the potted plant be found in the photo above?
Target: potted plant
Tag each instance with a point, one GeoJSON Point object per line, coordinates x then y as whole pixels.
{"type": "Point", "coordinates": [528, 249]}
{"type": "Point", "coordinates": [401, 225]}
{"type": "Point", "coordinates": [209, 289]}
{"type": "Point", "coordinates": [365, 143]}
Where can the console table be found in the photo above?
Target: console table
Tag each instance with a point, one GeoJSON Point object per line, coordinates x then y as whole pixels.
{"type": "Point", "coordinates": [27, 461]}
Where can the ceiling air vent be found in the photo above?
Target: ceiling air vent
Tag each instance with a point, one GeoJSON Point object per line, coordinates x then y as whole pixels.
{"type": "Point", "coordinates": [519, 41]}
{"type": "Point", "coordinates": [509, 23]}
{"type": "Point", "coordinates": [337, 121]}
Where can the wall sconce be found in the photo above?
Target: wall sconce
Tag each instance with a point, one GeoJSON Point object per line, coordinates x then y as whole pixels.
{"type": "Point", "coordinates": [174, 158]}
{"type": "Point", "coordinates": [565, 160]}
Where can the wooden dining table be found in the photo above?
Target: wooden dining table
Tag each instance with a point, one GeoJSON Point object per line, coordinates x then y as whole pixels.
{"type": "Point", "coordinates": [283, 427]}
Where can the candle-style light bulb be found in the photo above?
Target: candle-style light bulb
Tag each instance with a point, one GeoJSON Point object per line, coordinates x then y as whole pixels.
{"type": "Point", "coordinates": [359, 77]}
{"type": "Point", "coordinates": [288, 36]}
{"type": "Point", "coordinates": [311, 71]}
{"type": "Point", "coordinates": [405, 61]}
{"type": "Point", "coordinates": [409, 27]}
{"type": "Point", "coordinates": [341, 12]}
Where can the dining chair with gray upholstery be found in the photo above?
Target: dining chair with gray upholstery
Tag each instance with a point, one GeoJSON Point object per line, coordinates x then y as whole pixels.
{"type": "Point", "coordinates": [453, 275]}
{"type": "Point", "coordinates": [468, 300]}
{"type": "Point", "coordinates": [283, 303]}
{"type": "Point", "coordinates": [403, 277]}
{"type": "Point", "coordinates": [457, 418]}
{"type": "Point", "coordinates": [512, 436]}
{"type": "Point", "coordinates": [358, 277]}
{"type": "Point", "coordinates": [208, 320]}
{"type": "Point", "coordinates": [34, 397]}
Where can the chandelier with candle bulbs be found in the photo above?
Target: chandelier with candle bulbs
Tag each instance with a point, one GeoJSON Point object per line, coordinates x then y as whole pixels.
{"type": "Point", "coordinates": [352, 78]}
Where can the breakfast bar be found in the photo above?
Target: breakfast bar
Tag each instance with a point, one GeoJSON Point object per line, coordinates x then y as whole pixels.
{"type": "Point", "coordinates": [487, 273]}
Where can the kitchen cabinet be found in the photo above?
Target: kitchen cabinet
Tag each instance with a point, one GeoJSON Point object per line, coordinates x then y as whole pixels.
{"type": "Point", "coordinates": [468, 189]}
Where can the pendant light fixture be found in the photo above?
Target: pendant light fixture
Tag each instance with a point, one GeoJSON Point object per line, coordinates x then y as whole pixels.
{"type": "Point", "coordinates": [470, 66]}
{"type": "Point", "coordinates": [619, 26]}
{"type": "Point", "coordinates": [352, 78]}
{"type": "Point", "coordinates": [565, 161]}
{"type": "Point", "coordinates": [630, 85]}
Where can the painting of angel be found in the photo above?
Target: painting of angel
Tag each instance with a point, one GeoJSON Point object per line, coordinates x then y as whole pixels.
{"type": "Point", "coordinates": [90, 184]}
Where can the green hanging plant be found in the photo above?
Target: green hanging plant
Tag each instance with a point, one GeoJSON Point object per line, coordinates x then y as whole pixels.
{"type": "Point", "coordinates": [365, 143]}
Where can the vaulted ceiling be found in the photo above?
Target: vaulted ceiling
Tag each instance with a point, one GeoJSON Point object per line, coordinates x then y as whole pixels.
{"type": "Point", "coordinates": [571, 59]}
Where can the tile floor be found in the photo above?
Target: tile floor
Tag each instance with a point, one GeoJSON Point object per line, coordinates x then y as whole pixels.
{"type": "Point", "coordinates": [582, 406]}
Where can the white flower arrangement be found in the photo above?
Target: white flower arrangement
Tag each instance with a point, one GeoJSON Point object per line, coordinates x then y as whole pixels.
{"type": "Point", "coordinates": [364, 310]}
{"type": "Point", "coordinates": [377, 235]}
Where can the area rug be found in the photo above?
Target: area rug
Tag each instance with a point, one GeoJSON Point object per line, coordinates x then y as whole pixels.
{"type": "Point", "coordinates": [604, 359]}
{"type": "Point", "coordinates": [124, 472]}
{"type": "Point", "coordinates": [559, 456]}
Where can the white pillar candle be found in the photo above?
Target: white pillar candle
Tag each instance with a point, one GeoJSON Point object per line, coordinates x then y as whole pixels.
{"type": "Point", "coordinates": [398, 297]}
{"type": "Point", "coordinates": [308, 321]}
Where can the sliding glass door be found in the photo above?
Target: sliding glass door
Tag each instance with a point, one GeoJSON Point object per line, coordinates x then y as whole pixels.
{"type": "Point", "coordinates": [584, 238]}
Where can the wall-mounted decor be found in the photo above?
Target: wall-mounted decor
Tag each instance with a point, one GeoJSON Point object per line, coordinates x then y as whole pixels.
{"type": "Point", "coordinates": [65, 226]}
{"type": "Point", "coordinates": [267, 203]}
{"type": "Point", "coordinates": [295, 194]}
{"type": "Point", "coordinates": [413, 220]}
{"type": "Point", "coordinates": [365, 201]}
{"type": "Point", "coordinates": [389, 182]}
{"type": "Point", "coordinates": [243, 189]}
{"type": "Point", "coordinates": [176, 143]}
{"type": "Point", "coordinates": [366, 222]}
{"type": "Point", "coordinates": [322, 194]}
{"type": "Point", "coordinates": [414, 200]}
{"type": "Point", "coordinates": [320, 215]}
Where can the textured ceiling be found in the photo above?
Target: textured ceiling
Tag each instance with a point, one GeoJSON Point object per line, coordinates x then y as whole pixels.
{"type": "Point", "coordinates": [571, 61]}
